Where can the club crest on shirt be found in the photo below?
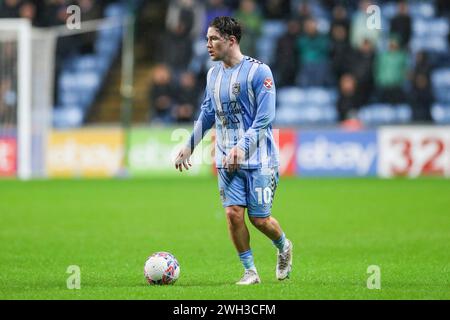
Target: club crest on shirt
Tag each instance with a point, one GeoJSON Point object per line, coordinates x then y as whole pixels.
{"type": "Point", "coordinates": [268, 83]}
{"type": "Point", "coordinates": [236, 88]}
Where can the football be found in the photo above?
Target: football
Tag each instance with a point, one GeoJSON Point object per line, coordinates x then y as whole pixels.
{"type": "Point", "coordinates": [161, 268]}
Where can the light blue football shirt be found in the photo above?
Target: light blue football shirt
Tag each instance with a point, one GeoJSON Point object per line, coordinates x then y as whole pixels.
{"type": "Point", "coordinates": [240, 101]}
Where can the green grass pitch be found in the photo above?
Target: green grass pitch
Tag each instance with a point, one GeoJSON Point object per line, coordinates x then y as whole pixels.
{"type": "Point", "coordinates": [339, 228]}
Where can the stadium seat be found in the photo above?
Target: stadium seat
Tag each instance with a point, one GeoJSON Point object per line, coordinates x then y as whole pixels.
{"type": "Point", "coordinates": [320, 96]}
{"type": "Point", "coordinates": [441, 77]}
{"type": "Point", "coordinates": [289, 95]}
{"type": "Point", "coordinates": [440, 80]}
{"type": "Point", "coordinates": [422, 9]}
{"type": "Point", "coordinates": [67, 117]}
{"type": "Point", "coordinates": [323, 25]}
{"type": "Point", "coordinates": [429, 43]}
{"type": "Point", "coordinates": [430, 27]}
{"type": "Point", "coordinates": [198, 48]}
{"type": "Point", "coordinates": [272, 29]}
{"type": "Point", "coordinates": [265, 49]}
{"type": "Point", "coordinates": [85, 63]}
{"type": "Point", "coordinates": [419, 27]}
{"type": "Point", "coordinates": [381, 113]}
{"type": "Point", "coordinates": [67, 81]}
{"type": "Point", "coordinates": [438, 27]}
{"type": "Point", "coordinates": [313, 95]}
{"type": "Point", "coordinates": [316, 8]}
{"type": "Point", "coordinates": [372, 114]}
{"type": "Point", "coordinates": [88, 80]}
{"type": "Point", "coordinates": [442, 94]}
{"type": "Point", "coordinates": [305, 114]}
{"type": "Point", "coordinates": [68, 97]}
{"type": "Point", "coordinates": [389, 10]}
{"type": "Point", "coordinates": [418, 10]}
{"type": "Point", "coordinates": [288, 115]}
{"type": "Point", "coordinates": [298, 106]}
{"type": "Point", "coordinates": [115, 10]}
{"type": "Point", "coordinates": [441, 113]}
{"type": "Point", "coordinates": [403, 113]}
{"type": "Point", "coordinates": [104, 46]}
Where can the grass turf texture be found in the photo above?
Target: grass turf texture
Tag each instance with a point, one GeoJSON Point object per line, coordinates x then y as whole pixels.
{"type": "Point", "coordinates": [338, 226]}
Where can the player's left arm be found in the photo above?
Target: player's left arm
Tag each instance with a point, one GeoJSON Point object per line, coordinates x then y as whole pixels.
{"type": "Point", "coordinates": [265, 98]}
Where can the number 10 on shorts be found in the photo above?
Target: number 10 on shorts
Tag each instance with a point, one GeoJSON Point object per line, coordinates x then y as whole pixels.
{"type": "Point", "coordinates": [264, 194]}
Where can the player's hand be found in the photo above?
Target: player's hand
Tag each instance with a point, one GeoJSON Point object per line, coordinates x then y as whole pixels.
{"type": "Point", "coordinates": [183, 159]}
{"type": "Point", "coordinates": [234, 159]}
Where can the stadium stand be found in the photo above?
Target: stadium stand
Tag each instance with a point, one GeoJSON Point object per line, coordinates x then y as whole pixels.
{"type": "Point", "coordinates": [441, 88]}
{"type": "Point", "coordinates": [303, 105]}
{"type": "Point", "coordinates": [297, 104]}
{"type": "Point", "coordinates": [82, 75]}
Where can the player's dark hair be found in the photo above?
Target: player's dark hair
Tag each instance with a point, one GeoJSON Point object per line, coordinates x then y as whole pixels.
{"type": "Point", "coordinates": [227, 26]}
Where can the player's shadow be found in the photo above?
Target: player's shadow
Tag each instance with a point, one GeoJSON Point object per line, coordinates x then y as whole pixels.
{"type": "Point", "coordinates": [204, 284]}
{"type": "Point", "coordinates": [196, 284]}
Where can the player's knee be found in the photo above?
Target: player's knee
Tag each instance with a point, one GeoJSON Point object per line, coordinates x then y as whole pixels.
{"type": "Point", "coordinates": [235, 215]}
{"type": "Point", "coordinates": [259, 222]}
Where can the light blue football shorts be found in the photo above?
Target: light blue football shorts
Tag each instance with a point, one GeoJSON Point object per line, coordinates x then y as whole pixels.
{"type": "Point", "coordinates": [250, 188]}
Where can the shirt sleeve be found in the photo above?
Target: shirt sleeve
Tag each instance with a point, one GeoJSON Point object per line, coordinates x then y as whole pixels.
{"type": "Point", "coordinates": [264, 88]}
{"type": "Point", "coordinates": [204, 122]}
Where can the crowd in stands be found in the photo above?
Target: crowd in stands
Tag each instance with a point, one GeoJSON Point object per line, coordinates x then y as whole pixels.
{"type": "Point", "coordinates": [46, 13]}
{"type": "Point", "coordinates": [43, 13]}
{"type": "Point", "coordinates": [321, 44]}
{"type": "Point", "coordinates": [82, 59]}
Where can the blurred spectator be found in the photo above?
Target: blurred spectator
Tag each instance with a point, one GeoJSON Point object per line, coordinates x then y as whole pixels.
{"type": "Point", "coordinates": [188, 12]}
{"type": "Point", "coordinates": [421, 97]}
{"type": "Point", "coordinates": [251, 20]}
{"type": "Point", "coordinates": [177, 44]}
{"type": "Point", "coordinates": [28, 11]}
{"type": "Point", "coordinates": [181, 17]}
{"type": "Point", "coordinates": [314, 50]}
{"type": "Point", "coordinates": [161, 95]}
{"type": "Point", "coordinates": [55, 13]}
{"type": "Point", "coordinates": [442, 8]}
{"type": "Point", "coordinates": [390, 73]}
{"type": "Point", "coordinates": [287, 56]}
{"type": "Point", "coordinates": [422, 65]}
{"type": "Point", "coordinates": [276, 9]}
{"type": "Point", "coordinates": [359, 30]}
{"type": "Point", "coordinates": [302, 14]}
{"type": "Point", "coordinates": [361, 65]}
{"type": "Point", "coordinates": [329, 5]}
{"type": "Point", "coordinates": [186, 98]}
{"type": "Point", "coordinates": [89, 11]}
{"type": "Point", "coordinates": [10, 8]}
{"type": "Point", "coordinates": [340, 50]}
{"type": "Point", "coordinates": [401, 24]}
{"type": "Point", "coordinates": [340, 18]}
{"type": "Point", "coordinates": [349, 100]}
{"type": "Point", "coordinates": [232, 4]}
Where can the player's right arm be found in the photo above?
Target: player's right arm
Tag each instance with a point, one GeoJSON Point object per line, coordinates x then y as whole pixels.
{"type": "Point", "coordinates": [204, 122]}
